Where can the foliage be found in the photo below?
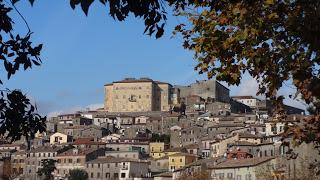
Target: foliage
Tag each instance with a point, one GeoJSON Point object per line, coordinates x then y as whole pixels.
{"type": "Point", "coordinates": [18, 117]}
{"type": "Point", "coordinates": [161, 138]}
{"type": "Point", "coordinates": [274, 41]}
{"type": "Point", "coordinates": [78, 174]}
{"type": "Point", "coordinates": [194, 175]}
{"type": "Point", "coordinates": [48, 166]}
{"type": "Point", "coordinates": [17, 114]}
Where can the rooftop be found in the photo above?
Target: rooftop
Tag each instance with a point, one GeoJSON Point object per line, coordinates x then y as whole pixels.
{"type": "Point", "coordinates": [237, 163]}
{"type": "Point", "coordinates": [134, 80]}
{"type": "Point", "coordinates": [248, 135]}
{"type": "Point", "coordinates": [182, 154]}
{"type": "Point", "coordinates": [245, 143]}
{"type": "Point", "coordinates": [243, 97]}
{"type": "Point", "coordinates": [80, 152]}
{"type": "Point", "coordinates": [111, 159]}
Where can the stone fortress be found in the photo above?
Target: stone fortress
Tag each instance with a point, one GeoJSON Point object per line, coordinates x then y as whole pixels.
{"type": "Point", "coordinates": [145, 94]}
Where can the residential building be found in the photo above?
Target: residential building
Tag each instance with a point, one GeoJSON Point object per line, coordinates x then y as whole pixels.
{"type": "Point", "coordinates": [33, 162]}
{"type": "Point", "coordinates": [75, 158]}
{"type": "Point", "coordinates": [18, 163]}
{"type": "Point", "coordinates": [159, 164]}
{"type": "Point", "coordinates": [157, 149]}
{"type": "Point", "coordinates": [114, 168]}
{"type": "Point", "coordinates": [60, 138]}
{"type": "Point", "coordinates": [241, 169]}
{"type": "Point", "coordinates": [180, 160]}
{"type": "Point", "coordinates": [142, 147]}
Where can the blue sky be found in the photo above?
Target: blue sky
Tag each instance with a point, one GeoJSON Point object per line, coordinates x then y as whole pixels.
{"type": "Point", "coordinates": [81, 54]}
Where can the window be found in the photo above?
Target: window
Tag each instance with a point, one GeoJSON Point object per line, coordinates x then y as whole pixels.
{"type": "Point", "coordinates": [229, 175]}
{"type": "Point", "coordinates": [115, 175]}
{"type": "Point", "coordinates": [123, 175]}
{"type": "Point", "coordinates": [239, 177]}
{"type": "Point", "coordinates": [271, 152]}
{"type": "Point", "coordinates": [78, 160]}
{"type": "Point", "coordinates": [248, 176]}
{"type": "Point", "coordinates": [98, 165]}
{"type": "Point", "coordinates": [108, 165]}
{"type": "Point", "coordinates": [265, 153]}
{"type": "Point", "coordinates": [92, 175]}
{"type": "Point", "coordinates": [221, 175]}
{"type": "Point", "coordinates": [158, 163]}
{"type": "Point", "coordinates": [180, 160]}
{"type": "Point", "coordinates": [70, 160]}
{"type": "Point", "coordinates": [172, 160]}
{"type": "Point", "coordinates": [116, 165]}
{"type": "Point", "coordinates": [98, 175]}
{"type": "Point", "coordinates": [107, 175]}
{"type": "Point", "coordinates": [91, 165]}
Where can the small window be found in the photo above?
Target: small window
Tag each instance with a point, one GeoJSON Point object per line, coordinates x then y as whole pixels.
{"type": "Point", "coordinates": [115, 175]}
{"type": "Point", "coordinates": [123, 175]}
{"type": "Point", "coordinates": [248, 176]}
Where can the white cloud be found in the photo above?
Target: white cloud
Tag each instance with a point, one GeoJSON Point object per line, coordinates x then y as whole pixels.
{"type": "Point", "coordinates": [248, 87]}
{"type": "Point", "coordinates": [75, 109]}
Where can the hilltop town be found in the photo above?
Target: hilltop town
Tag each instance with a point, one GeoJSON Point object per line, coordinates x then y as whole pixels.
{"type": "Point", "coordinates": [154, 130]}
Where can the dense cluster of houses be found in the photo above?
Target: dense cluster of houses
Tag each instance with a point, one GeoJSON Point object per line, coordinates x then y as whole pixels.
{"type": "Point", "coordinates": [163, 145]}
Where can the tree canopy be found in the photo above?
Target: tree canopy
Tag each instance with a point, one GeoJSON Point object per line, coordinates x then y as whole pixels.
{"type": "Point", "coordinates": [48, 166]}
{"type": "Point", "coordinates": [78, 174]}
{"type": "Point", "coordinates": [18, 116]}
{"type": "Point", "coordinates": [275, 41]}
